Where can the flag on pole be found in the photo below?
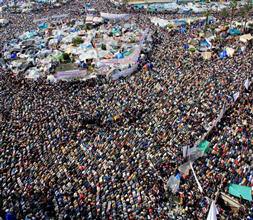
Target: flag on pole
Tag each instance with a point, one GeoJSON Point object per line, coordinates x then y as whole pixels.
{"type": "Point", "coordinates": [236, 96]}
{"type": "Point", "coordinates": [213, 212]}
{"type": "Point", "coordinates": [194, 174]}
{"type": "Point", "coordinates": [246, 84]}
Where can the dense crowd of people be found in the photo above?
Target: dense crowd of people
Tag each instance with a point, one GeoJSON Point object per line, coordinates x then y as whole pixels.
{"type": "Point", "coordinates": [93, 150]}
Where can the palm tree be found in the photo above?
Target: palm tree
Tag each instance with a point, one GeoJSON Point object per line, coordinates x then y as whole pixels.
{"type": "Point", "coordinates": [224, 15]}
{"type": "Point", "coordinates": [245, 10]}
{"type": "Point", "coordinates": [233, 6]}
{"type": "Point", "coordinates": [207, 14]}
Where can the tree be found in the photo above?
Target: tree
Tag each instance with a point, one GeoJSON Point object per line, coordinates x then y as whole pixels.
{"type": "Point", "coordinates": [244, 11]}
{"type": "Point", "coordinates": [224, 15]}
{"type": "Point", "coordinates": [233, 6]}
{"type": "Point", "coordinates": [76, 41]}
{"type": "Point", "coordinates": [207, 14]}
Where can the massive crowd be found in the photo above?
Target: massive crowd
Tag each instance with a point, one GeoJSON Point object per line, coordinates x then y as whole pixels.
{"type": "Point", "coordinates": [81, 150]}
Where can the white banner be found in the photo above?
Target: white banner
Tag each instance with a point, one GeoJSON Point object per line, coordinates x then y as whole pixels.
{"type": "Point", "coordinates": [114, 16]}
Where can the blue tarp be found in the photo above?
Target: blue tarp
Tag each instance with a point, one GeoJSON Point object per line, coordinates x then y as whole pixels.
{"type": "Point", "coordinates": [139, 6]}
{"type": "Point", "coordinates": [234, 32]}
{"type": "Point", "coordinates": [204, 43]}
{"type": "Point", "coordinates": [119, 56]}
{"type": "Point", "coordinates": [43, 26]}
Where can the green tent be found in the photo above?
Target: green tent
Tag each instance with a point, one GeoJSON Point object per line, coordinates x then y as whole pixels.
{"type": "Point", "coordinates": [204, 146]}
{"type": "Point", "coordinates": [240, 191]}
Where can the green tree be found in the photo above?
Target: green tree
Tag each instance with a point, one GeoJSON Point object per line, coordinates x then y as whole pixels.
{"type": "Point", "coordinates": [76, 41]}
{"type": "Point", "coordinates": [224, 15]}
{"type": "Point", "coordinates": [207, 15]}
{"type": "Point", "coordinates": [233, 6]}
{"type": "Point", "coordinates": [244, 12]}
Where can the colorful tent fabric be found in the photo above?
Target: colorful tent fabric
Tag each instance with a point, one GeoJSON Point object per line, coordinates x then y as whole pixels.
{"type": "Point", "coordinates": [240, 191]}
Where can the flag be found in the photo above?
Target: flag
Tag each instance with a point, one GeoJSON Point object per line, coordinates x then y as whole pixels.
{"type": "Point", "coordinates": [204, 146]}
{"type": "Point", "coordinates": [213, 212]}
{"type": "Point", "coordinates": [240, 191]}
{"type": "Point", "coordinates": [246, 84]}
{"type": "Point", "coordinates": [173, 184]}
{"type": "Point", "coordinates": [236, 96]}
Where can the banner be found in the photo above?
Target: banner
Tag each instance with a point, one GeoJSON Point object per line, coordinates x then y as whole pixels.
{"type": "Point", "coordinates": [240, 191]}
{"type": "Point", "coordinates": [110, 16]}
{"type": "Point", "coordinates": [230, 201]}
{"type": "Point", "coordinates": [70, 74]}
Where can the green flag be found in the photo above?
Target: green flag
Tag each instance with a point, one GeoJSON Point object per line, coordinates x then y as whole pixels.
{"type": "Point", "coordinates": [204, 146]}
{"type": "Point", "coordinates": [240, 191]}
